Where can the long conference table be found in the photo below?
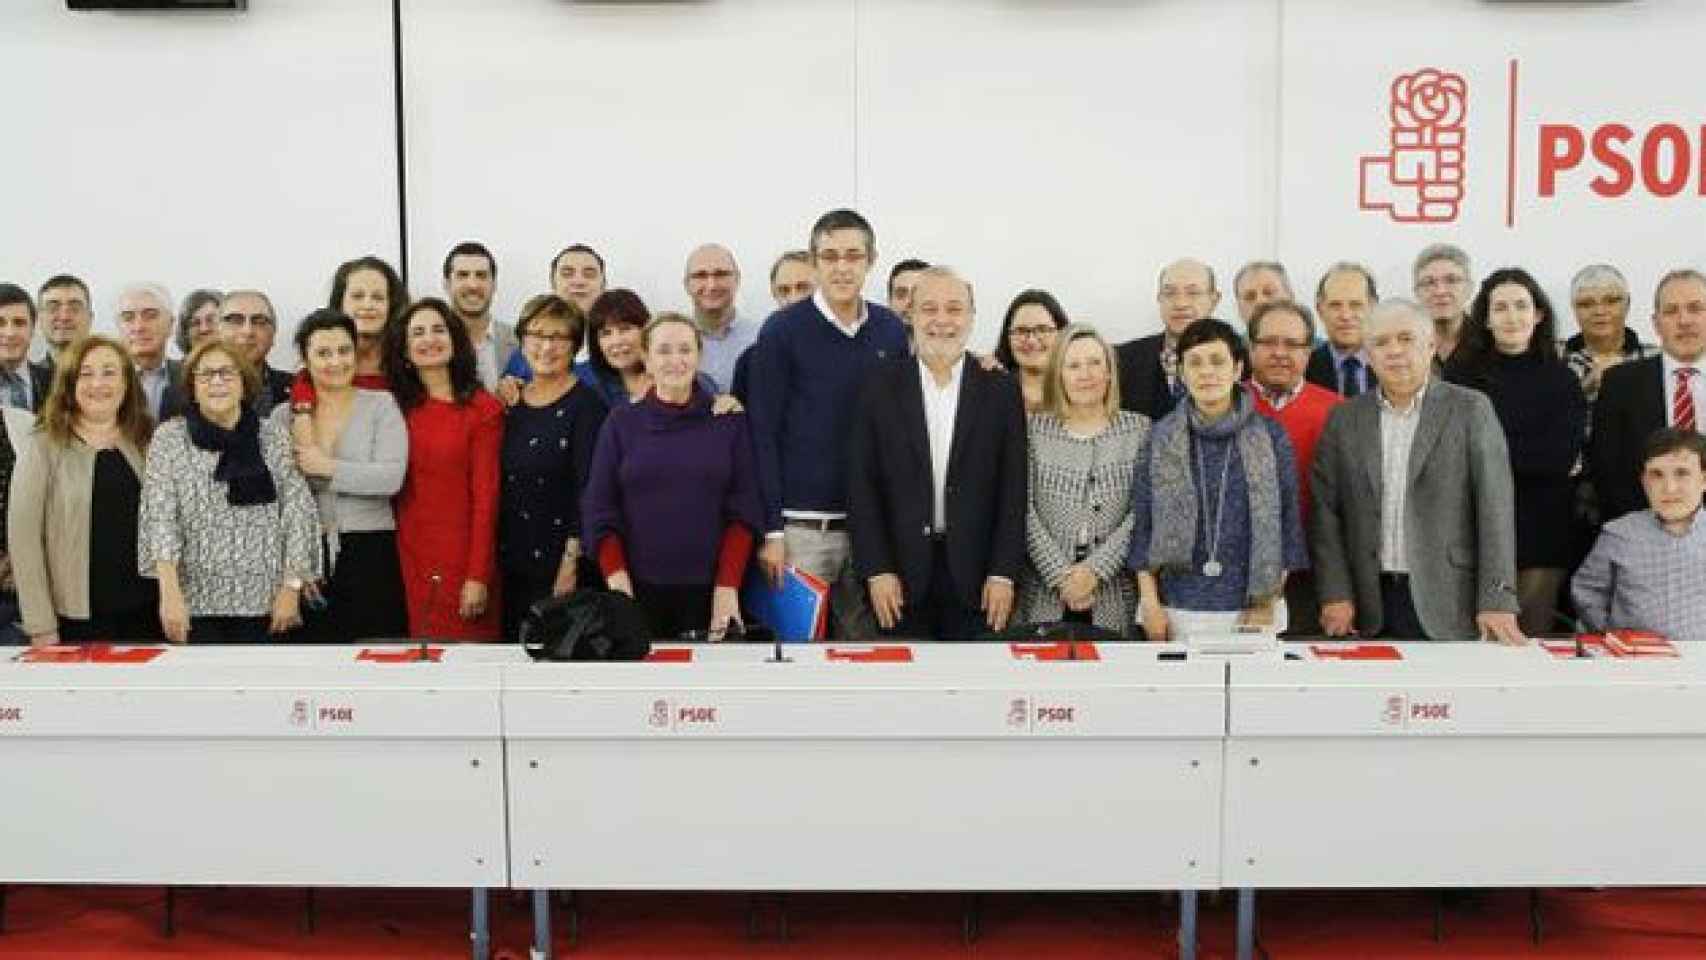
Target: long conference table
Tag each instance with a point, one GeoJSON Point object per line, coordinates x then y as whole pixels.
{"type": "Point", "coordinates": [971, 767]}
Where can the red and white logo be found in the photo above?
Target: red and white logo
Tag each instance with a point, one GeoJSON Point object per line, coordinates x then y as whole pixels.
{"type": "Point", "coordinates": [11, 714]}
{"type": "Point", "coordinates": [659, 717]}
{"type": "Point", "coordinates": [1019, 713]}
{"type": "Point", "coordinates": [1393, 714]}
{"type": "Point", "coordinates": [1419, 179]}
{"type": "Point", "coordinates": [299, 713]}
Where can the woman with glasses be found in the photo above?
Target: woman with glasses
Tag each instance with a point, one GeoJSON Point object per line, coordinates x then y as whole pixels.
{"type": "Point", "coordinates": [672, 507]}
{"type": "Point", "coordinates": [1215, 523]}
{"type": "Point", "coordinates": [354, 459]}
{"type": "Point", "coordinates": [1028, 332]}
{"type": "Point", "coordinates": [447, 511]}
{"type": "Point", "coordinates": [198, 319]}
{"type": "Point", "coordinates": [1509, 352]}
{"type": "Point", "coordinates": [1083, 450]}
{"type": "Point", "coordinates": [228, 525]}
{"type": "Point", "coordinates": [75, 565]}
{"type": "Point", "coordinates": [549, 436]}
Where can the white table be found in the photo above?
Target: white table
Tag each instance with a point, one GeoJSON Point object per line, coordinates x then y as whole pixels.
{"type": "Point", "coordinates": [967, 768]}
{"type": "Point", "coordinates": [1465, 765]}
{"type": "Point", "coordinates": [256, 765]}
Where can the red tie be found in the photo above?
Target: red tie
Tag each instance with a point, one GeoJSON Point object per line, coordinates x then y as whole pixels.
{"type": "Point", "coordinates": [1682, 408]}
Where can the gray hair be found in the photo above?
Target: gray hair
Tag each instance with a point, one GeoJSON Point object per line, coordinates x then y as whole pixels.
{"type": "Point", "coordinates": [1398, 307]}
{"type": "Point", "coordinates": [1257, 266]}
{"type": "Point", "coordinates": [1347, 266]}
{"type": "Point", "coordinates": [1598, 275]}
{"type": "Point", "coordinates": [155, 290]}
{"type": "Point", "coordinates": [1676, 276]}
{"type": "Point", "coordinates": [1161, 278]}
{"type": "Point", "coordinates": [257, 294]}
{"type": "Point", "coordinates": [1442, 251]}
{"type": "Point", "coordinates": [945, 273]}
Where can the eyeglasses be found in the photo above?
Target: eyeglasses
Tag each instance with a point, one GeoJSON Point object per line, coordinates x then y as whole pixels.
{"type": "Point", "coordinates": [851, 257]}
{"type": "Point", "coordinates": [235, 320]}
{"type": "Point", "coordinates": [1281, 343]}
{"type": "Point", "coordinates": [216, 375]}
{"type": "Point", "coordinates": [701, 276]}
{"type": "Point", "coordinates": [1031, 333]}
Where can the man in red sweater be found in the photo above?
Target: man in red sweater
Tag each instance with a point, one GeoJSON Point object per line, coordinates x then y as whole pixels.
{"type": "Point", "coordinates": [1281, 335]}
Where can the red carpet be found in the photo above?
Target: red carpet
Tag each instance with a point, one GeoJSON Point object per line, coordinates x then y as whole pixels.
{"type": "Point", "coordinates": [240, 923]}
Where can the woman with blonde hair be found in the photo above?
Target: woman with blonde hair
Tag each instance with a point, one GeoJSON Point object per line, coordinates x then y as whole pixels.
{"type": "Point", "coordinates": [75, 565]}
{"type": "Point", "coordinates": [1083, 451]}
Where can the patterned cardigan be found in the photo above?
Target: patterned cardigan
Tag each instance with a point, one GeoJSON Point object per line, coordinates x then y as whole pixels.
{"type": "Point", "coordinates": [1080, 491]}
{"type": "Point", "coordinates": [231, 560]}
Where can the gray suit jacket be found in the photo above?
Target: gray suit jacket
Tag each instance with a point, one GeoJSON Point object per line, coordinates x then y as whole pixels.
{"type": "Point", "coordinates": [1459, 515]}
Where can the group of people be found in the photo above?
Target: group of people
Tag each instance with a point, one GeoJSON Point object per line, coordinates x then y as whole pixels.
{"type": "Point", "coordinates": [1432, 468]}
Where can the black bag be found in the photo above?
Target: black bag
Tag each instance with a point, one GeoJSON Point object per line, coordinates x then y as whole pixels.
{"type": "Point", "coordinates": [586, 625]}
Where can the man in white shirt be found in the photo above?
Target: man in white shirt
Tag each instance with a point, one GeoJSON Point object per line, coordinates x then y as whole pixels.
{"type": "Point", "coordinates": [937, 485]}
{"type": "Point", "coordinates": [470, 281]}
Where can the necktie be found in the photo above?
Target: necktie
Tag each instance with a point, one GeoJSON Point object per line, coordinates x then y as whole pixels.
{"type": "Point", "coordinates": [1350, 376]}
{"type": "Point", "coordinates": [1682, 407]}
{"type": "Point", "coordinates": [12, 386]}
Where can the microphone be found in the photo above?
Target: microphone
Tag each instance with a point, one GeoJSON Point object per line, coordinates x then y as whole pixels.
{"type": "Point", "coordinates": [432, 608]}
{"type": "Point", "coordinates": [1576, 627]}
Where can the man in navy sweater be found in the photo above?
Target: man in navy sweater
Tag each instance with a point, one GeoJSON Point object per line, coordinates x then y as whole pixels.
{"type": "Point", "coordinates": [808, 367]}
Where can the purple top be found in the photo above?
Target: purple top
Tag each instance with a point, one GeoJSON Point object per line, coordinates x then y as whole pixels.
{"type": "Point", "coordinates": [668, 480]}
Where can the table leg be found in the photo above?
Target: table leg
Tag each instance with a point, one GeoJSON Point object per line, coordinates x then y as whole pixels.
{"type": "Point", "coordinates": [541, 925]}
{"type": "Point", "coordinates": [1246, 923]}
{"type": "Point", "coordinates": [1187, 925]}
{"type": "Point", "coordinates": [480, 936]}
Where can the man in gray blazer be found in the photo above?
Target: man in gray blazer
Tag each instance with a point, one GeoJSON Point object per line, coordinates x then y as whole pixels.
{"type": "Point", "coordinates": [1413, 530]}
{"type": "Point", "coordinates": [470, 281]}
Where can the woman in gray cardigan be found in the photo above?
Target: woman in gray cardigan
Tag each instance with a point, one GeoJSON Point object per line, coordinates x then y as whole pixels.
{"type": "Point", "coordinates": [228, 525]}
{"type": "Point", "coordinates": [75, 566]}
{"type": "Point", "coordinates": [354, 463]}
{"type": "Point", "coordinates": [1078, 527]}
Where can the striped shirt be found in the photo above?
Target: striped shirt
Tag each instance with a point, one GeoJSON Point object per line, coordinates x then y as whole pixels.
{"type": "Point", "coordinates": [1641, 577]}
{"type": "Point", "coordinates": [1397, 433]}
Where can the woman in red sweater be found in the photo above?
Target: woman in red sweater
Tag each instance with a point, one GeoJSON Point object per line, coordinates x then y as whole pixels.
{"type": "Point", "coordinates": [447, 509]}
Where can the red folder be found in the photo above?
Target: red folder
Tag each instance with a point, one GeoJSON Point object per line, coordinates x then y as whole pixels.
{"type": "Point", "coordinates": [1362, 651]}
{"type": "Point", "coordinates": [1064, 650]}
{"type": "Point", "coordinates": [90, 653]}
{"type": "Point", "coordinates": [401, 655]}
{"type": "Point", "coordinates": [671, 655]}
{"type": "Point", "coordinates": [869, 654]}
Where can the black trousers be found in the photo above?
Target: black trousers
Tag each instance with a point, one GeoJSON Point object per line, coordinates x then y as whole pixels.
{"type": "Point", "coordinates": [938, 614]}
{"type": "Point", "coordinates": [1398, 609]}
{"type": "Point", "coordinates": [230, 630]}
{"type": "Point", "coordinates": [364, 597]}
{"type": "Point", "coordinates": [675, 608]}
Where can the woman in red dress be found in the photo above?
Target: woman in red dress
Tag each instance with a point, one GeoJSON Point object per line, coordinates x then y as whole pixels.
{"type": "Point", "coordinates": [447, 510]}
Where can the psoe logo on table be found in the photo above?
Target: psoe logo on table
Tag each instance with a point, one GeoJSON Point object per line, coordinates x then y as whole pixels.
{"type": "Point", "coordinates": [1394, 712]}
{"type": "Point", "coordinates": [299, 713]}
{"type": "Point", "coordinates": [1019, 713]}
{"type": "Point", "coordinates": [11, 714]}
{"type": "Point", "coordinates": [658, 719]}
{"type": "Point", "coordinates": [1418, 177]}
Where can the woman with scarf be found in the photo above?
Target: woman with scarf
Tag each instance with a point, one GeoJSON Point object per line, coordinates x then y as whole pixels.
{"type": "Point", "coordinates": [1215, 508]}
{"type": "Point", "coordinates": [75, 495]}
{"type": "Point", "coordinates": [227, 524]}
{"type": "Point", "coordinates": [671, 507]}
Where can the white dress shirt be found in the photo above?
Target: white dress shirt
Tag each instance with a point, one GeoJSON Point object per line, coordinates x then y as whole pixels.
{"type": "Point", "coordinates": [941, 405]}
{"type": "Point", "coordinates": [1397, 433]}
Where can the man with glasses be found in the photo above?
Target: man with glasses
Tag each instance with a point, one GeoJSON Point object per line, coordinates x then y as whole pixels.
{"type": "Point", "coordinates": [1445, 286]}
{"type": "Point", "coordinates": [712, 280]}
{"type": "Point", "coordinates": [808, 369]}
{"type": "Point", "coordinates": [1638, 398]}
{"type": "Point", "coordinates": [65, 312]}
{"type": "Point", "coordinates": [1280, 335]}
{"type": "Point", "coordinates": [1342, 299]}
{"type": "Point", "coordinates": [1149, 366]}
{"type": "Point", "coordinates": [247, 321]}
{"type": "Point", "coordinates": [145, 324]}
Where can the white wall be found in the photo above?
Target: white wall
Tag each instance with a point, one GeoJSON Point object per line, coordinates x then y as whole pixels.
{"type": "Point", "coordinates": [1071, 144]}
{"type": "Point", "coordinates": [197, 150]}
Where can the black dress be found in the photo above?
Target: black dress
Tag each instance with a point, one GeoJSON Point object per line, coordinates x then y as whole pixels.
{"type": "Point", "coordinates": [123, 604]}
{"type": "Point", "coordinates": [547, 453]}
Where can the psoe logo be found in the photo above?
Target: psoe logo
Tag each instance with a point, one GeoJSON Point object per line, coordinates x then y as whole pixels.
{"type": "Point", "coordinates": [659, 717]}
{"type": "Point", "coordinates": [1419, 177]}
{"type": "Point", "coordinates": [1393, 713]}
{"type": "Point", "coordinates": [11, 714]}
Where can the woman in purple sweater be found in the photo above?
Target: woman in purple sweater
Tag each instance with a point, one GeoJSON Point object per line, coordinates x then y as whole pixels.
{"type": "Point", "coordinates": [672, 504]}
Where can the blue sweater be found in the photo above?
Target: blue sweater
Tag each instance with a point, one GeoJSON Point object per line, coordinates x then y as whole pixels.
{"type": "Point", "coordinates": [806, 378]}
